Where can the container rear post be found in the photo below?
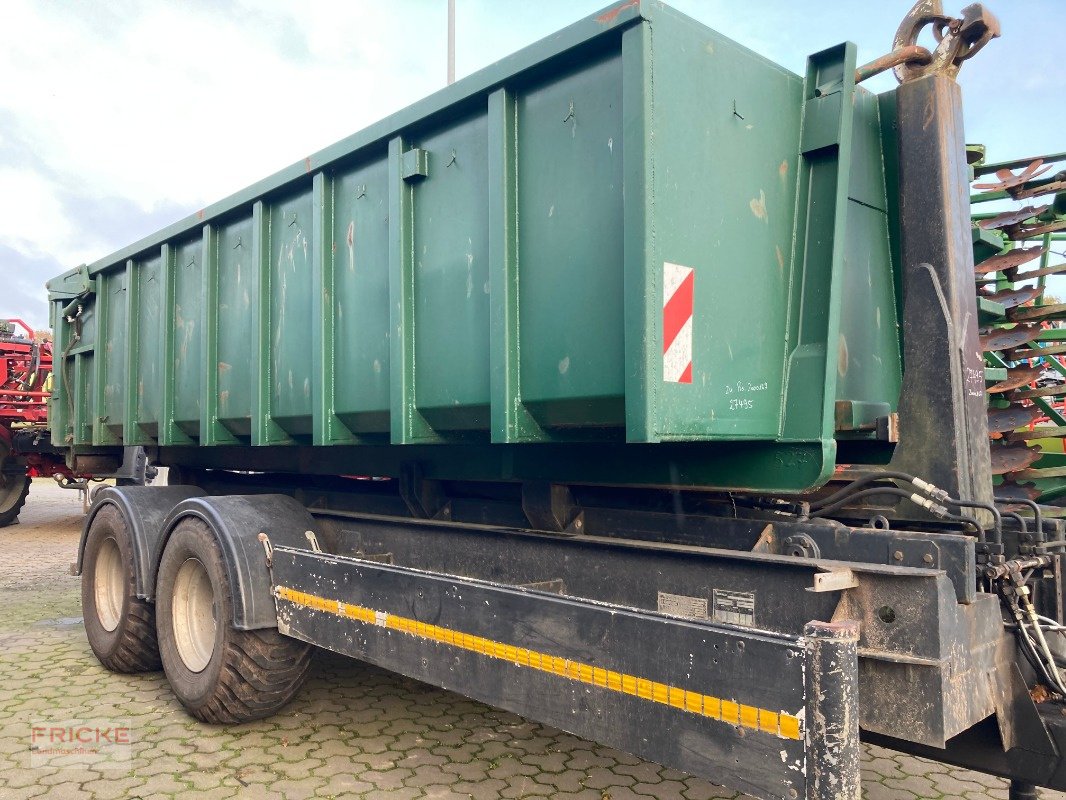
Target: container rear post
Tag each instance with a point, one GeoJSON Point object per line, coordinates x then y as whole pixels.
{"type": "Point", "coordinates": [832, 716]}
{"type": "Point", "coordinates": [942, 418]}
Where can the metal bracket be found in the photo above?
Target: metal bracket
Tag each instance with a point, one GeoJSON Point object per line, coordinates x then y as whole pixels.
{"type": "Point", "coordinates": [913, 553]}
{"type": "Point", "coordinates": [551, 507]}
{"type": "Point", "coordinates": [834, 581]}
{"type": "Point", "coordinates": [415, 165]}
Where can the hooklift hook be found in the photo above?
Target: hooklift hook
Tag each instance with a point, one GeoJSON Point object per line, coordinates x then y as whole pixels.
{"type": "Point", "coordinates": [957, 38]}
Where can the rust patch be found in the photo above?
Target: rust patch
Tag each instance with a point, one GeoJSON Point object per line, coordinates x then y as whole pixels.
{"type": "Point", "coordinates": [224, 367]}
{"type": "Point", "coordinates": [783, 169]}
{"type": "Point", "coordinates": [200, 214]}
{"type": "Point", "coordinates": [307, 164]}
{"type": "Point", "coordinates": [842, 357]}
{"type": "Point", "coordinates": [608, 17]}
{"type": "Point", "coordinates": [780, 257]}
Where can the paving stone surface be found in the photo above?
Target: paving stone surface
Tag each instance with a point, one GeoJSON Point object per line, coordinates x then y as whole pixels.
{"type": "Point", "coordinates": [354, 731]}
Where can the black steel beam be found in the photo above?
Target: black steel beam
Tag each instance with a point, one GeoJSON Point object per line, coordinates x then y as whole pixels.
{"type": "Point", "coordinates": [713, 700]}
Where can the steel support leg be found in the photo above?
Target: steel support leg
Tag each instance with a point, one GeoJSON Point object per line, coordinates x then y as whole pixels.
{"type": "Point", "coordinates": [942, 416]}
{"type": "Point", "coordinates": [832, 714]}
{"type": "Point", "coordinates": [1023, 791]}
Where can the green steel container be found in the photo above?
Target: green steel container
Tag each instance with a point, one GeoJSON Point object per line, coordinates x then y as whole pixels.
{"type": "Point", "coordinates": [634, 252]}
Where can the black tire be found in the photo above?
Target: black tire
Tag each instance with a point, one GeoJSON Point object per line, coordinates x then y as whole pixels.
{"type": "Point", "coordinates": [14, 487]}
{"type": "Point", "coordinates": [119, 625]}
{"type": "Point", "coordinates": [243, 675]}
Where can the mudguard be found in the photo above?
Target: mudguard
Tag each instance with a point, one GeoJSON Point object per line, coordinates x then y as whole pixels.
{"type": "Point", "coordinates": [144, 508]}
{"type": "Point", "coordinates": [237, 521]}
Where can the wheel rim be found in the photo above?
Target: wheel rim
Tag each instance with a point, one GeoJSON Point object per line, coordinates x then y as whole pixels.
{"type": "Point", "coordinates": [194, 615]}
{"type": "Point", "coordinates": [109, 585]}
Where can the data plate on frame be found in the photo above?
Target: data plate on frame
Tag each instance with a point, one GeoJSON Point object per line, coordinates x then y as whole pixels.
{"type": "Point", "coordinates": [736, 608]}
{"type": "Point", "coordinates": [680, 605]}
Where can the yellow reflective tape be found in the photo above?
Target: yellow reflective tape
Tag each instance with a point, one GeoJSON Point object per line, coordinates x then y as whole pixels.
{"type": "Point", "coordinates": [785, 726]}
{"type": "Point", "coordinates": [712, 707]}
{"type": "Point", "coordinates": [677, 697]}
{"type": "Point", "coordinates": [749, 716]}
{"type": "Point", "coordinates": [730, 712]}
{"type": "Point", "coordinates": [768, 721]}
{"type": "Point", "coordinates": [599, 677]}
{"type": "Point", "coordinates": [790, 727]}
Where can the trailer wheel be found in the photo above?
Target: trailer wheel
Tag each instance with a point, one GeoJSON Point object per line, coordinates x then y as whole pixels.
{"type": "Point", "coordinates": [220, 674]}
{"type": "Point", "coordinates": [14, 486]}
{"type": "Point", "coordinates": [119, 625]}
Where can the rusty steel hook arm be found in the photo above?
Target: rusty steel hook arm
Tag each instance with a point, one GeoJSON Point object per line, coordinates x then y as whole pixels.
{"type": "Point", "coordinates": [957, 40]}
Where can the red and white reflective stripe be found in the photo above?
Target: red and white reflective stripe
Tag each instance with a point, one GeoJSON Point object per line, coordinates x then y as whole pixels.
{"type": "Point", "coordinates": [678, 283]}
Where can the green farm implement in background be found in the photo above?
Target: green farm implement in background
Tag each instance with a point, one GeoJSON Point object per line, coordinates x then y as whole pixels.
{"type": "Point", "coordinates": [1023, 331]}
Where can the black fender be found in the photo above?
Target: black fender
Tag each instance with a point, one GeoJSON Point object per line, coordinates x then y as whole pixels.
{"type": "Point", "coordinates": [144, 508]}
{"type": "Point", "coordinates": [237, 521]}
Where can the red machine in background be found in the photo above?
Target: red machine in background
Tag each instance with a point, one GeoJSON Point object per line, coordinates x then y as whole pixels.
{"type": "Point", "coordinates": [25, 382]}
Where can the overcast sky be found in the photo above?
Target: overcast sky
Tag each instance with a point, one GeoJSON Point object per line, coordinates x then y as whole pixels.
{"type": "Point", "coordinates": [119, 117]}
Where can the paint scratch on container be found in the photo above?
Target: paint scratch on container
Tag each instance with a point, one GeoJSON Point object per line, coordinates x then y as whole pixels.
{"type": "Point", "coordinates": [758, 206]}
{"type": "Point", "coordinates": [607, 17]}
{"type": "Point", "coordinates": [350, 238]}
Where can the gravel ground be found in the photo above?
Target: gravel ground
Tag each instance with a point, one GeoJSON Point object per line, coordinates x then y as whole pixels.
{"type": "Point", "coordinates": [354, 731]}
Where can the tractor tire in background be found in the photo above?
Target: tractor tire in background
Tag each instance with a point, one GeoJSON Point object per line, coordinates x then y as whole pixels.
{"type": "Point", "coordinates": [14, 487]}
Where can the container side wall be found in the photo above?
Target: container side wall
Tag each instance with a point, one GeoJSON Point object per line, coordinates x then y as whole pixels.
{"type": "Point", "coordinates": [451, 278]}
{"type": "Point", "coordinates": [187, 330]}
{"type": "Point", "coordinates": [725, 143]}
{"type": "Point", "coordinates": [236, 319]}
{"type": "Point", "coordinates": [83, 373]}
{"type": "Point", "coordinates": [570, 247]}
{"type": "Point", "coordinates": [149, 366]}
{"type": "Point", "coordinates": [290, 312]}
{"type": "Point", "coordinates": [112, 359]}
{"type": "Point", "coordinates": [360, 297]}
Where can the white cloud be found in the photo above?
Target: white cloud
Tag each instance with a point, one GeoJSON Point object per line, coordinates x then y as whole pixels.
{"type": "Point", "coordinates": [190, 104]}
{"type": "Point", "coordinates": [35, 221]}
